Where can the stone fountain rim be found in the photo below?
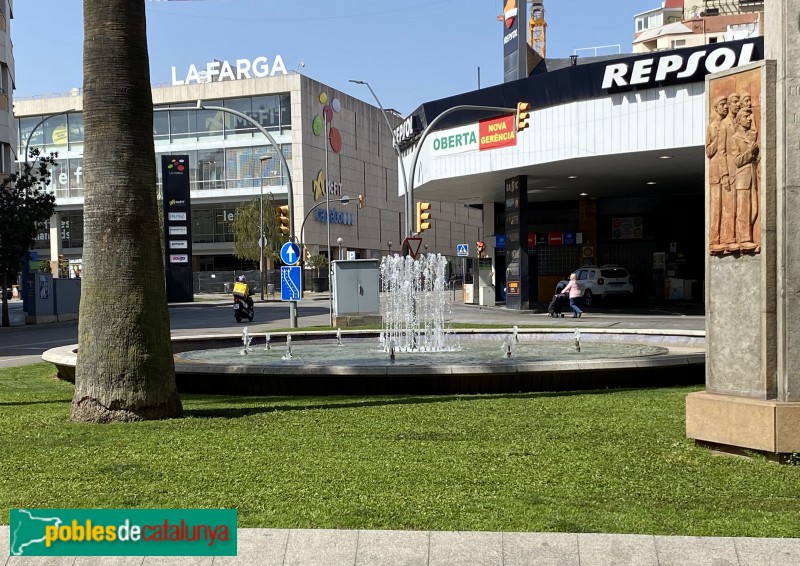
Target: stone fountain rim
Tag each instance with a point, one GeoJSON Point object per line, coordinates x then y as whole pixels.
{"type": "Point", "coordinates": [684, 347]}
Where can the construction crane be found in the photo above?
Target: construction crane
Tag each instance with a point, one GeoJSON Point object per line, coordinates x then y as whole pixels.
{"type": "Point", "coordinates": [537, 27]}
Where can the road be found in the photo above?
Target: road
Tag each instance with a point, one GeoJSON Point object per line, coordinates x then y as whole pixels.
{"type": "Point", "coordinates": [212, 314]}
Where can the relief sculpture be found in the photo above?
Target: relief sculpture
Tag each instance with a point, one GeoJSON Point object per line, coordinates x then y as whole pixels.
{"type": "Point", "coordinates": [733, 153]}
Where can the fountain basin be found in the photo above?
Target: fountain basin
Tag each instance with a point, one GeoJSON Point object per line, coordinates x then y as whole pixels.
{"type": "Point", "coordinates": [628, 358]}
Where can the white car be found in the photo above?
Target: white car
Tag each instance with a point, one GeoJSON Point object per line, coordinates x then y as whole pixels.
{"type": "Point", "coordinates": [601, 282]}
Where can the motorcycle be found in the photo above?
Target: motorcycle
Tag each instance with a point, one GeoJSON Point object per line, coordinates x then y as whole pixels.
{"type": "Point", "coordinates": [242, 309]}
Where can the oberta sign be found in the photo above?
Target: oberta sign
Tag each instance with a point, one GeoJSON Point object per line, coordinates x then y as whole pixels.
{"type": "Point", "coordinates": [487, 134]}
{"type": "Point", "coordinates": [216, 71]}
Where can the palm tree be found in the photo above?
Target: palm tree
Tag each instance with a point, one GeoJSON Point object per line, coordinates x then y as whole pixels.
{"type": "Point", "coordinates": [125, 369]}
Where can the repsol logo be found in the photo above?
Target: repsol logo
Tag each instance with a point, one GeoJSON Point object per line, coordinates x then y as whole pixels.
{"type": "Point", "coordinates": [407, 131]}
{"type": "Point", "coordinates": [509, 36]}
{"type": "Point", "coordinates": [676, 67]}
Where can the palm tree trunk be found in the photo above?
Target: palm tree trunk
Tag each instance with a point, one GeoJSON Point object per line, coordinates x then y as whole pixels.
{"type": "Point", "coordinates": [125, 369]}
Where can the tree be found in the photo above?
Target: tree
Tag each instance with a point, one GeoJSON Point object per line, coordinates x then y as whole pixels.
{"type": "Point", "coordinates": [125, 370]}
{"type": "Point", "coordinates": [246, 233]}
{"type": "Point", "coordinates": [25, 203]}
{"type": "Point", "coordinates": [318, 262]}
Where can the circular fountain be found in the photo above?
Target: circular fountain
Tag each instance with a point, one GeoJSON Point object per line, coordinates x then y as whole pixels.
{"type": "Point", "coordinates": [414, 353]}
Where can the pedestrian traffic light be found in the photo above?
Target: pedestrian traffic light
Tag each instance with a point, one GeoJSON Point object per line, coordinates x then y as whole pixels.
{"type": "Point", "coordinates": [283, 218]}
{"type": "Point", "coordinates": [523, 111]}
{"type": "Point", "coordinates": [360, 201]}
{"type": "Point", "coordinates": [423, 216]}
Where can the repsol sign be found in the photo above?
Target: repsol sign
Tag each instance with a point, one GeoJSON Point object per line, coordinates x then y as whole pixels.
{"type": "Point", "coordinates": [407, 131]}
{"type": "Point", "coordinates": [677, 66]}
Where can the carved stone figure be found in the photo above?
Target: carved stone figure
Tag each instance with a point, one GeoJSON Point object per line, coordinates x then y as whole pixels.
{"type": "Point", "coordinates": [732, 150]}
{"type": "Point", "coordinates": [728, 196]}
{"type": "Point", "coordinates": [745, 152]}
{"type": "Point", "coordinates": [716, 141]}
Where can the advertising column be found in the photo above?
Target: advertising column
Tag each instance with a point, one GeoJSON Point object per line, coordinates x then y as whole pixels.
{"type": "Point", "coordinates": [517, 284]}
{"type": "Point", "coordinates": [515, 40]}
{"type": "Point", "coordinates": [177, 228]}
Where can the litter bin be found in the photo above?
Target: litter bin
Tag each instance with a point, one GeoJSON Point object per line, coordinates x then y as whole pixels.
{"type": "Point", "coordinates": [271, 289]}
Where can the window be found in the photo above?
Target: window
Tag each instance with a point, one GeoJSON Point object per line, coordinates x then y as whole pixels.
{"type": "Point", "coordinates": [72, 230]}
{"type": "Point", "coordinates": [236, 126]}
{"type": "Point", "coordinates": [210, 225]}
{"type": "Point", "coordinates": [677, 43]}
{"type": "Point", "coordinates": [75, 129]}
{"type": "Point", "coordinates": [181, 123]}
{"type": "Point", "coordinates": [27, 135]}
{"type": "Point", "coordinates": [161, 125]}
{"type": "Point", "coordinates": [210, 123]}
{"type": "Point", "coordinates": [713, 39]}
{"type": "Point", "coordinates": [210, 168]}
{"type": "Point", "coordinates": [267, 111]}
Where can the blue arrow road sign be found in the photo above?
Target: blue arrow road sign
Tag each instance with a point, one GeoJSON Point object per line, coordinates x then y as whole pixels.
{"type": "Point", "coordinates": [290, 253]}
{"type": "Point", "coordinates": [462, 249]}
{"type": "Point", "coordinates": [290, 283]}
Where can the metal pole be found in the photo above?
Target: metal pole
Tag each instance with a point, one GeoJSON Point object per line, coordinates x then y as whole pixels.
{"type": "Point", "coordinates": [261, 240]}
{"type": "Point", "coordinates": [408, 204]}
{"type": "Point", "coordinates": [328, 222]}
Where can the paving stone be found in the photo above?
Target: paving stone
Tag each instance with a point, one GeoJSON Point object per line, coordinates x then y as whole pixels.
{"type": "Point", "coordinates": [767, 551]}
{"type": "Point", "coordinates": [466, 548]}
{"type": "Point", "coordinates": [182, 560]}
{"type": "Point", "coordinates": [696, 551]}
{"type": "Point", "coordinates": [617, 550]}
{"type": "Point", "coordinates": [109, 560]}
{"type": "Point", "coordinates": [310, 547]}
{"type": "Point", "coordinates": [390, 548]}
{"type": "Point", "coordinates": [540, 549]}
{"type": "Point", "coordinates": [4, 544]}
{"type": "Point", "coordinates": [261, 547]}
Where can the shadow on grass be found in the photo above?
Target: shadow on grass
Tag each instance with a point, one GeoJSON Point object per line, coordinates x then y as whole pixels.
{"type": "Point", "coordinates": [263, 405]}
{"type": "Point", "coordinates": [24, 403]}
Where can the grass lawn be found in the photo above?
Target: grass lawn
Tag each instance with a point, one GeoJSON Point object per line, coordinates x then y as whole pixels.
{"type": "Point", "coordinates": [605, 461]}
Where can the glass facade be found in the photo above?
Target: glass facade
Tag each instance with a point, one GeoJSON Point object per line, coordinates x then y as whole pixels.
{"type": "Point", "coordinates": [210, 225]}
{"type": "Point", "coordinates": [211, 169]}
{"type": "Point", "coordinates": [272, 112]}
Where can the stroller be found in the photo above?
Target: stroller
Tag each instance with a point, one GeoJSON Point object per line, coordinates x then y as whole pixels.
{"type": "Point", "coordinates": [558, 302]}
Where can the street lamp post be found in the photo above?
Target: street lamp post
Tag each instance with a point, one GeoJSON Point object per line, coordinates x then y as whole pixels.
{"type": "Point", "coordinates": [262, 240]}
{"type": "Point", "coordinates": [409, 204]}
{"type": "Point", "coordinates": [344, 199]}
{"type": "Point", "coordinates": [340, 241]}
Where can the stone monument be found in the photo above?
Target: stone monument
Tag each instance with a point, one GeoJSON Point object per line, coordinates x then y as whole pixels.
{"type": "Point", "coordinates": [752, 395]}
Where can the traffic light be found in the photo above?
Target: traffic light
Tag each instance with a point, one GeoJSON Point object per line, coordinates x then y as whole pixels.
{"type": "Point", "coordinates": [283, 218]}
{"type": "Point", "coordinates": [523, 111]}
{"type": "Point", "coordinates": [360, 201]}
{"type": "Point", "coordinates": [423, 216]}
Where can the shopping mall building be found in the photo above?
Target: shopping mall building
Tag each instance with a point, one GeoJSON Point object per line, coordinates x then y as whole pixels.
{"type": "Point", "coordinates": [226, 167]}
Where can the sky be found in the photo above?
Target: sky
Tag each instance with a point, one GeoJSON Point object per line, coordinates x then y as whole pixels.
{"type": "Point", "coordinates": [409, 51]}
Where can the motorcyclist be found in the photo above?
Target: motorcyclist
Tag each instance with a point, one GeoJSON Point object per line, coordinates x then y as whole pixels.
{"type": "Point", "coordinates": [242, 290]}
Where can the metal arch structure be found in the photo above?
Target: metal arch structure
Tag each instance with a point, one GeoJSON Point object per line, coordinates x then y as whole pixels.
{"type": "Point", "coordinates": [421, 141]}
